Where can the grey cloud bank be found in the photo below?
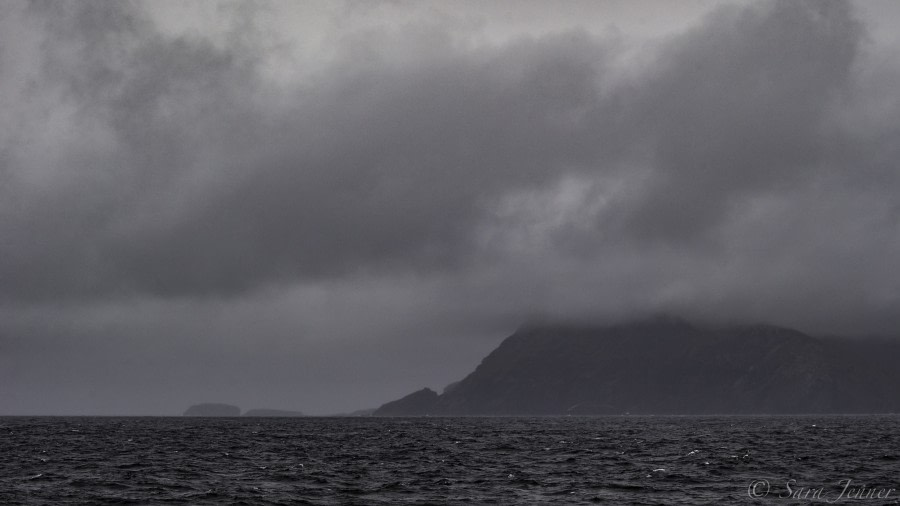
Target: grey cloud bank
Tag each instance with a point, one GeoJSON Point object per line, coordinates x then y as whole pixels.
{"type": "Point", "coordinates": [179, 225]}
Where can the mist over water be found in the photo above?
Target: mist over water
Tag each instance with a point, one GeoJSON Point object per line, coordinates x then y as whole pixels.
{"type": "Point", "coordinates": [372, 461]}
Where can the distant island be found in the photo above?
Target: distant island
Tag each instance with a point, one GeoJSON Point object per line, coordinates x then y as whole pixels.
{"type": "Point", "coordinates": [667, 365]}
{"type": "Point", "coordinates": [216, 409]}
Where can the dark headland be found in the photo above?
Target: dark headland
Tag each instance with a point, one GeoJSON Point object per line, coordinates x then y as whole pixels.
{"type": "Point", "coordinates": [669, 366]}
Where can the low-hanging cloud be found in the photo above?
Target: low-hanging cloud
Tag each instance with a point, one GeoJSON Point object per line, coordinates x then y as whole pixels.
{"type": "Point", "coordinates": [743, 169]}
{"type": "Point", "coordinates": [210, 182]}
{"type": "Point", "coordinates": [193, 176]}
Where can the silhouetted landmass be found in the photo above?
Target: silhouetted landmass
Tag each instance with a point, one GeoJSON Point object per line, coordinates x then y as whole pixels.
{"type": "Point", "coordinates": [416, 403]}
{"type": "Point", "coordinates": [669, 366]}
{"type": "Point", "coordinates": [274, 413]}
{"type": "Point", "coordinates": [451, 386]}
{"type": "Point", "coordinates": [212, 409]}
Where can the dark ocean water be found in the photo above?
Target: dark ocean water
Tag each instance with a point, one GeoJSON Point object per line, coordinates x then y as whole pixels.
{"type": "Point", "coordinates": [366, 461]}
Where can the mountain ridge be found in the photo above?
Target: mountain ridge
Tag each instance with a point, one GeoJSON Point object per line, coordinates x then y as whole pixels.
{"type": "Point", "coordinates": [666, 365]}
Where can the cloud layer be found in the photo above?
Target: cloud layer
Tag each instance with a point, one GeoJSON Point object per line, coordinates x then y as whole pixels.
{"type": "Point", "coordinates": [744, 168]}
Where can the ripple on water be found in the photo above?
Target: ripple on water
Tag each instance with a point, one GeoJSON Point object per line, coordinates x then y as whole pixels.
{"type": "Point", "coordinates": [448, 460]}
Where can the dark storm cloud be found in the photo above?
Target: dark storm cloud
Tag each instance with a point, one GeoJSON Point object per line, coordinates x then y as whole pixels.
{"type": "Point", "coordinates": [384, 166]}
{"type": "Point", "coordinates": [153, 165]}
{"type": "Point", "coordinates": [118, 119]}
{"type": "Point", "coordinates": [740, 106]}
{"type": "Point", "coordinates": [212, 183]}
{"type": "Point", "coordinates": [185, 217]}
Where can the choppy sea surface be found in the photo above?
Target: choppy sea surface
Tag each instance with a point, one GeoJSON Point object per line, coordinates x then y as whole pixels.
{"type": "Point", "coordinates": [370, 461]}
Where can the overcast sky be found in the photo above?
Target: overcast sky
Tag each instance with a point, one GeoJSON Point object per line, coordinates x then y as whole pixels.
{"type": "Point", "coordinates": [324, 206]}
